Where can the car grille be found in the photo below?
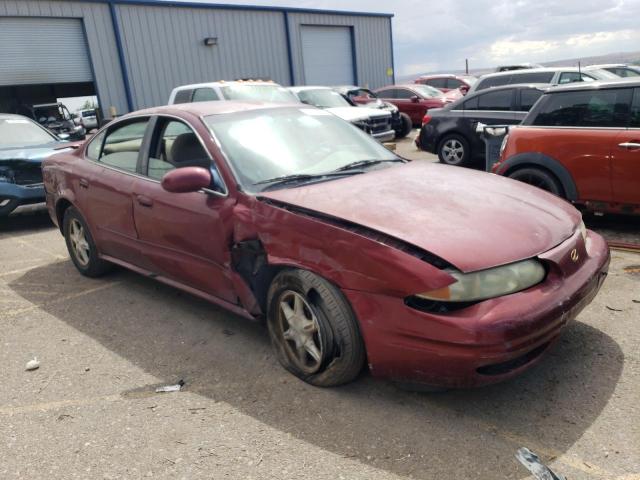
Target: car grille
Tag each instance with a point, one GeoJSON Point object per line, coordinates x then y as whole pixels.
{"type": "Point", "coordinates": [376, 125]}
{"type": "Point", "coordinates": [28, 175]}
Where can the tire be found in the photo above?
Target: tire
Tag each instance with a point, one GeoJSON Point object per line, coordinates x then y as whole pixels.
{"type": "Point", "coordinates": [8, 205]}
{"type": "Point", "coordinates": [405, 126]}
{"type": "Point", "coordinates": [454, 150]}
{"type": "Point", "coordinates": [539, 178]}
{"type": "Point", "coordinates": [82, 249]}
{"type": "Point", "coordinates": [317, 338]}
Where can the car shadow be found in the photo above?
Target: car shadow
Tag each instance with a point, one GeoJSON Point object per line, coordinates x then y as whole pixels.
{"type": "Point", "coordinates": [26, 221]}
{"type": "Point", "coordinates": [173, 336]}
{"type": "Point", "coordinates": [616, 228]}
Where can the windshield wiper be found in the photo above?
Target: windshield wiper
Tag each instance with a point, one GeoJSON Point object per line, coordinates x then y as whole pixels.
{"type": "Point", "coordinates": [301, 177]}
{"type": "Point", "coordinates": [366, 163]}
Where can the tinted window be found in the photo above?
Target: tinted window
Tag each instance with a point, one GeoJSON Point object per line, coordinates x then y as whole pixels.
{"type": "Point", "coordinates": [95, 146]}
{"type": "Point", "coordinates": [494, 81]}
{"type": "Point", "coordinates": [500, 100]}
{"type": "Point", "coordinates": [528, 97]}
{"type": "Point", "coordinates": [532, 77]}
{"type": "Point", "coordinates": [437, 82]}
{"type": "Point", "coordinates": [453, 83]}
{"type": "Point", "coordinates": [471, 104]}
{"type": "Point", "coordinates": [388, 93]}
{"type": "Point", "coordinates": [404, 94]}
{"type": "Point", "coordinates": [122, 145]}
{"type": "Point", "coordinates": [623, 72]}
{"type": "Point", "coordinates": [182, 96]}
{"type": "Point", "coordinates": [635, 109]}
{"type": "Point", "coordinates": [204, 95]}
{"type": "Point", "coordinates": [571, 77]}
{"type": "Point", "coordinates": [177, 146]}
{"type": "Point", "coordinates": [592, 108]}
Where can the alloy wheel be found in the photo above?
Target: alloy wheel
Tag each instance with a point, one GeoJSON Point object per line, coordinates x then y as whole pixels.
{"type": "Point", "coordinates": [452, 151]}
{"type": "Point", "coordinates": [300, 330]}
{"type": "Point", "coordinates": [79, 242]}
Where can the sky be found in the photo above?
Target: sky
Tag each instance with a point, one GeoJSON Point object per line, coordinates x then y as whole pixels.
{"type": "Point", "coordinates": [438, 35]}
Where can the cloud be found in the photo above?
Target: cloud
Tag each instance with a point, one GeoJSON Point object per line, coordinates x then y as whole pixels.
{"type": "Point", "coordinates": [508, 49]}
{"type": "Point", "coordinates": [586, 40]}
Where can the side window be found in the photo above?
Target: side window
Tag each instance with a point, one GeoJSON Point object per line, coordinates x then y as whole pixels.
{"type": "Point", "coordinates": [204, 95]}
{"type": "Point", "coordinates": [388, 93]}
{"type": "Point", "coordinates": [471, 104]}
{"type": "Point", "coordinates": [572, 77]}
{"type": "Point", "coordinates": [182, 96]}
{"type": "Point", "coordinates": [453, 83]}
{"type": "Point", "coordinates": [437, 82]}
{"type": "Point", "coordinates": [499, 101]}
{"type": "Point", "coordinates": [403, 94]}
{"type": "Point", "coordinates": [95, 146]}
{"type": "Point", "coordinates": [496, 81]}
{"type": "Point", "coordinates": [533, 77]}
{"type": "Point", "coordinates": [122, 145]}
{"type": "Point", "coordinates": [528, 97]}
{"type": "Point", "coordinates": [176, 146]}
{"type": "Point", "coordinates": [635, 109]}
{"type": "Point", "coordinates": [589, 108]}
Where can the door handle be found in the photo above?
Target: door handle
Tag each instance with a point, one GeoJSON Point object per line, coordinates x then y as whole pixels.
{"type": "Point", "coordinates": [629, 145]}
{"type": "Point", "coordinates": [144, 200]}
{"type": "Point", "coordinates": [84, 183]}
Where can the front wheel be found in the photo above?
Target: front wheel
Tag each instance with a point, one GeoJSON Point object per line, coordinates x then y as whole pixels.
{"type": "Point", "coordinates": [82, 249]}
{"type": "Point", "coordinates": [313, 329]}
{"type": "Point", "coordinates": [454, 150]}
{"type": "Point", "coordinates": [539, 178]}
{"type": "Point", "coordinates": [405, 126]}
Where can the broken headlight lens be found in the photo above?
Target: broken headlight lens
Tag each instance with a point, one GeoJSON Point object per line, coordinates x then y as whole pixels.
{"type": "Point", "coordinates": [490, 283]}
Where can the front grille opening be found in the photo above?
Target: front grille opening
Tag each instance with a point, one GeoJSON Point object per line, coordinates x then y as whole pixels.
{"type": "Point", "coordinates": [435, 306]}
{"type": "Point", "coordinates": [511, 365]}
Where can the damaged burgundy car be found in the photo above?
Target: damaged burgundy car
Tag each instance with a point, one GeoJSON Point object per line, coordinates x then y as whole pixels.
{"type": "Point", "coordinates": [427, 274]}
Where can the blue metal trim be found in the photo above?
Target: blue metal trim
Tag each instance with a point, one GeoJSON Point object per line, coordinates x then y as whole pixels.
{"type": "Point", "coordinates": [393, 61]}
{"type": "Point", "coordinates": [168, 3]}
{"type": "Point", "coordinates": [354, 56]}
{"type": "Point", "coordinates": [93, 72]}
{"type": "Point", "coordinates": [123, 62]}
{"type": "Point", "coordinates": [287, 33]}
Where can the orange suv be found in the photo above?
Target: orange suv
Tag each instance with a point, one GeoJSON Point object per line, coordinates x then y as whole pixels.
{"type": "Point", "coordinates": [581, 142]}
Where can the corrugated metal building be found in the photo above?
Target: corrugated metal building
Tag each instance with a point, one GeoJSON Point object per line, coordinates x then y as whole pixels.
{"type": "Point", "coordinates": [131, 53]}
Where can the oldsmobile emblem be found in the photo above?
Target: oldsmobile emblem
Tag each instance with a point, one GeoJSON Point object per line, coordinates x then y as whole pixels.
{"type": "Point", "coordinates": [574, 255]}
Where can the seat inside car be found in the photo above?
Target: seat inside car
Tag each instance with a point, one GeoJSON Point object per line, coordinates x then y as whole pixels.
{"type": "Point", "coordinates": [187, 151]}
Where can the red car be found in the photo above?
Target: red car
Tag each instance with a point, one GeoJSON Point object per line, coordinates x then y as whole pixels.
{"type": "Point", "coordinates": [446, 83]}
{"type": "Point", "coordinates": [353, 255]}
{"type": "Point", "coordinates": [581, 142]}
{"type": "Point", "coordinates": [415, 100]}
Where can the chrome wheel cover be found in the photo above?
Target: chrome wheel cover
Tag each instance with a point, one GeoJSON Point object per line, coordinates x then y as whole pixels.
{"type": "Point", "coordinates": [452, 151]}
{"type": "Point", "coordinates": [79, 242]}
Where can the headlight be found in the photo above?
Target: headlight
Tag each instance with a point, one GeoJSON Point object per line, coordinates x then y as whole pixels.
{"type": "Point", "coordinates": [583, 230]}
{"type": "Point", "coordinates": [490, 283]}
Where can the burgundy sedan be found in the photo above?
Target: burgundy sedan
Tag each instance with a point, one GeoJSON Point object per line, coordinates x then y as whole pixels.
{"type": "Point", "coordinates": [352, 255]}
{"type": "Point", "coordinates": [415, 100]}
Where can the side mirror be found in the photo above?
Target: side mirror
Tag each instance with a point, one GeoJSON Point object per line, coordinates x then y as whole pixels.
{"type": "Point", "coordinates": [464, 89]}
{"type": "Point", "coordinates": [415, 99]}
{"type": "Point", "coordinates": [186, 180]}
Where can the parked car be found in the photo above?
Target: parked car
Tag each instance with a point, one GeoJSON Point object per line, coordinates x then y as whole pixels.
{"type": "Point", "coordinates": [365, 98]}
{"type": "Point", "coordinates": [353, 255]}
{"type": "Point", "coordinates": [88, 118]}
{"type": "Point", "coordinates": [23, 145]}
{"type": "Point", "coordinates": [374, 121]}
{"type": "Point", "coordinates": [445, 82]}
{"type": "Point", "coordinates": [415, 100]}
{"type": "Point", "coordinates": [550, 76]}
{"type": "Point", "coordinates": [518, 66]}
{"type": "Point", "coordinates": [581, 142]}
{"type": "Point", "coordinates": [258, 90]}
{"type": "Point", "coordinates": [450, 132]}
{"type": "Point", "coordinates": [620, 69]}
{"type": "Point", "coordinates": [54, 117]}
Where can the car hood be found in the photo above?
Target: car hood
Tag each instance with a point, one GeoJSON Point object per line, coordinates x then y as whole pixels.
{"type": "Point", "coordinates": [473, 220]}
{"type": "Point", "coordinates": [35, 153]}
{"type": "Point", "coordinates": [353, 114]}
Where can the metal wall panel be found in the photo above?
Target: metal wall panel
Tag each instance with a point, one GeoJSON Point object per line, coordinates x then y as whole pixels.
{"type": "Point", "coordinates": [99, 36]}
{"type": "Point", "coordinates": [37, 57]}
{"type": "Point", "coordinates": [164, 47]}
{"type": "Point", "coordinates": [372, 45]}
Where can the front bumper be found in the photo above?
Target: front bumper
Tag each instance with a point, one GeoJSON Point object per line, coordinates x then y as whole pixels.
{"type": "Point", "coordinates": [384, 136]}
{"type": "Point", "coordinates": [490, 341]}
{"type": "Point", "coordinates": [426, 139]}
{"type": "Point", "coordinates": [25, 194]}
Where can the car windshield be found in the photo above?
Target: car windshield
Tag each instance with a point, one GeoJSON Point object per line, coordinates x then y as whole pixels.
{"type": "Point", "coordinates": [51, 113]}
{"type": "Point", "coordinates": [322, 98]}
{"type": "Point", "coordinates": [270, 143]}
{"type": "Point", "coordinates": [20, 132]}
{"type": "Point", "coordinates": [601, 74]}
{"type": "Point", "coordinates": [426, 91]}
{"type": "Point", "coordinates": [262, 93]}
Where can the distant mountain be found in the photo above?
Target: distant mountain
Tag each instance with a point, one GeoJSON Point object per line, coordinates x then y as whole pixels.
{"type": "Point", "coordinates": [619, 57]}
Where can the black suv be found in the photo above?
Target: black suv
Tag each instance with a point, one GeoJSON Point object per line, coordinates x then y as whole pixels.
{"type": "Point", "coordinates": [450, 132]}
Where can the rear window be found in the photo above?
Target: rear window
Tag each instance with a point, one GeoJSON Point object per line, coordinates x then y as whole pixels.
{"type": "Point", "coordinates": [528, 98]}
{"type": "Point", "coordinates": [497, 101]}
{"type": "Point", "coordinates": [532, 77]}
{"type": "Point", "coordinates": [182, 96]}
{"type": "Point", "coordinates": [494, 82]}
{"type": "Point", "coordinates": [589, 108]}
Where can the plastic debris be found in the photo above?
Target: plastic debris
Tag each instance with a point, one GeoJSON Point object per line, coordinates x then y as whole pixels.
{"type": "Point", "coordinates": [538, 469]}
{"type": "Point", "coordinates": [171, 388]}
{"type": "Point", "coordinates": [32, 364]}
{"type": "Point", "coordinates": [613, 309]}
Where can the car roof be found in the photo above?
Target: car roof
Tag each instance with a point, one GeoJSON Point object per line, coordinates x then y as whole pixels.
{"type": "Point", "coordinates": [526, 71]}
{"type": "Point", "coordinates": [213, 108]}
{"type": "Point", "coordinates": [309, 87]}
{"type": "Point", "coordinates": [608, 65]}
{"type": "Point", "coordinates": [538, 86]}
{"type": "Point", "coordinates": [222, 83]}
{"type": "Point", "coordinates": [629, 82]}
{"type": "Point", "coordinates": [440, 75]}
{"type": "Point", "coordinates": [7, 116]}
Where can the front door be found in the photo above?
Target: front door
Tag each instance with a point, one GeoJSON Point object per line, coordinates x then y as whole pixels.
{"type": "Point", "coordinates": [185, 237]}
{"type": "Point", "coordinates": [625, 159]}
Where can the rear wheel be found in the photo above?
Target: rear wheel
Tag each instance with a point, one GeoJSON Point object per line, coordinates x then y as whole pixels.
{"type": "Point", "coordinates": [539, 178]}
{"type": "Point", "coordinates": [82, 249]}
{"type": "Point", "coordinates": [313, 330]}
{"type": "Point", "coordinates": [454, 150]}
{"type": "Point", "coordinates": [405, 126]}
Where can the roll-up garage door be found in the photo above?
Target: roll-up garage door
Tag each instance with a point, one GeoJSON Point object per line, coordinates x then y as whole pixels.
{"type": "Point", "coordinates": [327, 55]}
{"type": "Point", "coordinates": [43, 51]}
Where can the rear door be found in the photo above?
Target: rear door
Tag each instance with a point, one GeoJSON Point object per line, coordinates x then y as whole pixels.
{"type": "Point", "coordinates": [185, 237]}
{"type": "Point", "coordinates": [625, 159]}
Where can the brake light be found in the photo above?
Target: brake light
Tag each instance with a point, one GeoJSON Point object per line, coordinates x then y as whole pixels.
{"type": "Point", "coordinates": [426, 119]}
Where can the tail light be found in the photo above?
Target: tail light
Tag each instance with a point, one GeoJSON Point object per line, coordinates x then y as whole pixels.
{"type": "Point", "coordinates": [426, 119]}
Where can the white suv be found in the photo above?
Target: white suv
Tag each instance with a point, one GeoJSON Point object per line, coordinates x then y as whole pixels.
{"type": "Point", "coordinates": [262, 91]}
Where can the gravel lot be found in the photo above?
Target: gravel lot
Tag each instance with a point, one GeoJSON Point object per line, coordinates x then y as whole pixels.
{"type": "Point", "coordinates": [90, 410]}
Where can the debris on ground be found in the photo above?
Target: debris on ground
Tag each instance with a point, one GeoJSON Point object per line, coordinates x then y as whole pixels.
{"type": "Point", "coordinates": [532, 462]}
{"type": "Point", "coordinates": [635, 301]}
{"type": "Point", "coordinates": [228, 333]}
{"type": "Point", "coordinates": [33, 364]}
{"type": "Point", "coordinates": [171, 388]}
{"type": "Point", "coordinates": [613, 309]}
